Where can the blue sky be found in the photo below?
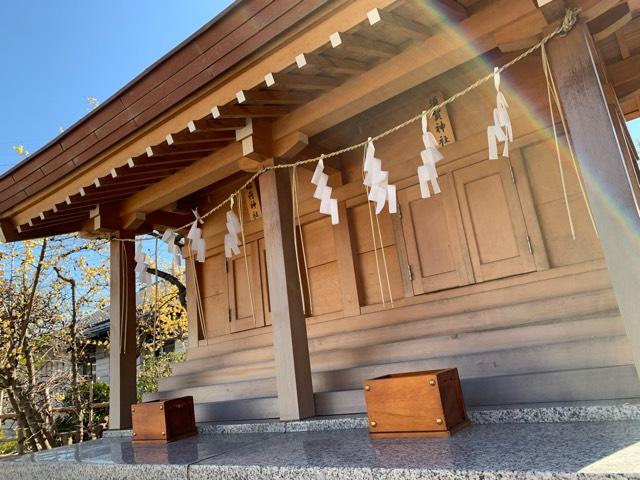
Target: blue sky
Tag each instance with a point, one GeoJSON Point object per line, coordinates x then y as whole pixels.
{"type": "Point", "coordinates": [55, 54]}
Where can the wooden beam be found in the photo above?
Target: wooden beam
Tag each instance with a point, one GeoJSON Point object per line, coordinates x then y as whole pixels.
{"type": "Point", "coordinates": [198, 144]}
{"type": "Point", "coordinates": [408, 27]}
{"type": "Point", "coordinates": [272, 97]}
{"type": "Point", "coordinates": [247, 164]}
{"type": "Point", "coordinates": [200, 174]}
{"type": "Point", "coordinates": [122, 332]}
{"type": "Point", "coordinates": [133, 220]}
{"type": "Point", "coordinates": [290, 345]}
{"type": "Point", "coordinates": [625, 75]}
{"type": "Point", "coordinates": [522, 33]}
{"type": "Point", "coordinates": [256, 140]}
{"type": "Point", "coordinates": [219, 125]}
{"type": "Point", "coordinates": [418, 63]}
{"type": "Point", "coordinates": [185, 137]}
{"type": "Point", "coordinates": [552, 10]}
{"type": "Point", "coordinates": [606, 180]}
{"type": "Point", "coordinates": [256, 148]}
{"type": "Point", "coordinates": [452, 9]}
{"type": "Point", "coordinates": [361, 45]}
{"type": "Point", "coordinates": [163, 218]}
{"type": "Point", "coordinates": [288, 147]}
{"type": "Point", "coordinates": [300, 82]}
{"type": "Point", "coordinates": [8, 232]}
{"type": "Point", "coordinates": [623, 46]}
{"type": "Point", "coordinates": [48, 231]}
{"type": "Point", "coordinates": [342, 66]}
{"type": "Point", "coordinates": [592, 9]}
{"type": "Point", "coordinates": [245, 111]}
{"type": "Point", "coordinates": [610, 22]}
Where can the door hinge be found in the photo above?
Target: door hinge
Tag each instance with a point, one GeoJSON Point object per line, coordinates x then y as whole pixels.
{"type": "Point", "coordinates": [410, 273]}
{"type": "Point", "coordinates": [529, 245]}
{"type": "Point", "coordinates": [513, 175]}
{"type": "Point", "coordinates": [399, 212]}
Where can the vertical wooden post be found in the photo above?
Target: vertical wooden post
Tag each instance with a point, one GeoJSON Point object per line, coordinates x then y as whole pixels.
{"type": "Point", "coordinates": [606, 179]}
{"type": "Point", "coordinates": [122, 333]}
{"type": "Point", "coordinates": [291, 350]}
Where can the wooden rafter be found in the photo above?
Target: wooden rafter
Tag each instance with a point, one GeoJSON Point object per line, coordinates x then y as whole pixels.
{"type": "Point", "coordinates": [414, 65]}
{"type": "Point", "coordinates": [296, 81]}
{"type": "Point", "coordinates": [207, 124]}
{"type": "Point", "coordinates": [251, 111]}
{"type": "Point", "coordinates": [330, 64]}
{"type": "Point", "coordinates": [362, 46]}
{"type": "Point", "coordinates": [391, 20]}
{"type": "Point", "coordinates": [272, 97]}
{"type": "Point", "coordinates": [190, 179]}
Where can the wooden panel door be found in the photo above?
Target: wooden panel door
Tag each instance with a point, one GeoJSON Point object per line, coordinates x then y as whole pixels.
{"type": "Point", "coordinates": [434, 237]}
{"type": "Point", "coordinates": [215, 300]}
{"type": "Point", "coordinates": [493, 220]}
{"type": "Point", "coordinates": [242, 288]}
{"type": "Point", "coordinates": [324, 281]}
{"type": "Point", "coordinates": [371, 287]}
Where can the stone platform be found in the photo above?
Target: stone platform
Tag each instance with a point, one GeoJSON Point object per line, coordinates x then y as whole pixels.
{"type": "Point", "coordinates": [497, 451]}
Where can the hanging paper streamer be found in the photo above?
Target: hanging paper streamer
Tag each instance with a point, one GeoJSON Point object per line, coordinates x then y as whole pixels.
{"type": "Point", "coordinates": [500, 131]}
{"type": "Point", "coordinates": [231, 242]}
{"type": "Point", "coordinates": [427, 172]}
{"type": "Point", "coordinates": [142, 265]}
{"type": "Point", "coordinates": [377, 180]}
{"type": "Point", "coordinates": [195, 235]}
{"type": "Point", "coordinates": [169, 237]}
{"type": "Point", "coordinates": [328, 205]}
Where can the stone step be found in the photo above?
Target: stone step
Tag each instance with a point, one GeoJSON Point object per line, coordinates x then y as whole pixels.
{"type": "Point", "coordinates": [427, 350]}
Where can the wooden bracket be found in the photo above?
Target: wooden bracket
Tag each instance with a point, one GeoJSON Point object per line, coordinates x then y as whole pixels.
{"type": "Point", "coordinates": [8, 232]}
{"type": "Point", "coordinates": [133, 220]}
{"type": "Point", "coordinates": [290, 145]}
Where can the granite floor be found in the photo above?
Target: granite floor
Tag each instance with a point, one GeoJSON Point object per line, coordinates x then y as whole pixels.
{"type": "Point", "coordinates": [582, 450]}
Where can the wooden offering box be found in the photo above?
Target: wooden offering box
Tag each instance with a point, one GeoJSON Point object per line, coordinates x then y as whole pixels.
{"type": "Point", "coordinates": [418, 404]}
{"type": "Point", "coordinates": [163, 421]}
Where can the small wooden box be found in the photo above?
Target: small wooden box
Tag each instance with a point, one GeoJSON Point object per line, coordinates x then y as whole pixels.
{"type": "Point", "coordinates": [163, 421]}
{"type": "Point", "coordinates": [418, 404]}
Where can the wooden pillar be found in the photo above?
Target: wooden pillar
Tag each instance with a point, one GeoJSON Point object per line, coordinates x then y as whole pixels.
{"type": "Point", "coordinates": [607, 181]}
{"type": "Point", "coordinates": [291, 350]}
{"type": "Point", "coordinates": [122, 334]}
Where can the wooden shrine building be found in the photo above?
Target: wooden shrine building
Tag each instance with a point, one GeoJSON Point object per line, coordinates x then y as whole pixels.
{"type": "Point", "coordinates": [484, 276]}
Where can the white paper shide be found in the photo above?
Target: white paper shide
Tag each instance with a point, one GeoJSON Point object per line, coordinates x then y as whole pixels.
{"type": "Point", "coordinates": [377, 180]}
{"type": "Point", "coordinates": [231, 240]}
{"type": "Point", "coordinates": [169, 237]}
{"type": "Point", "coordinates": [195, 235]}
{"type": "Point", "coordinates": [500, 131]}
{"type": "Point", "coordinates": [427, 173]}
{"type": "Point", "coordinates": [328, 205]}
{"type": "Point", "coordinates": [142, 265]}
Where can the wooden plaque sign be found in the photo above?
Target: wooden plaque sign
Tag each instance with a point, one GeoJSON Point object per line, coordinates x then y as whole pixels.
{"type": "Point", "coordinates": [439, 123]}
{"type": "Point", "coordinates": [252, 199]}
